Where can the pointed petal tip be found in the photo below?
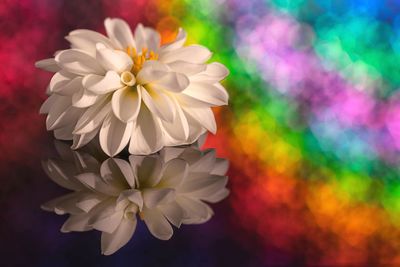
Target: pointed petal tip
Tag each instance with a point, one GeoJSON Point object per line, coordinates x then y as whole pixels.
{"type": "Point", "coordinates": [106, 252]}
{"type": "Point", "coordinates": [64, 230]}
{"type": "Point", "coordinates": [213, 131]}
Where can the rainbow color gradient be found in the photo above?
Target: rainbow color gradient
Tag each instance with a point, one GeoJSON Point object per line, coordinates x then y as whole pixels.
{"type": "Point", "coordinates": [313, 126]}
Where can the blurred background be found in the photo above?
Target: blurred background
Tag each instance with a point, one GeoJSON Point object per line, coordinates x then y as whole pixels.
{"type": "Point", "coordinates": [312, 132]}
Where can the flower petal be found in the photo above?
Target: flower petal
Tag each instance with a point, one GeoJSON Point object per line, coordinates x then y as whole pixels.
{"type": "Point", "coordinates": [119, 32]}
{"type": "Point", "coordinates": [111, 172]}
{"type": "Point", "coordinates": [187, 68]}
{"type": "Point", "coordinates": [69, 88]}
{"type": "Point", "coordinates": [193, 53]}
{"type": "Point", "coordinates": [204, 116]}
{"type": "Point", "coordinates": [126, 171]}
{"type": "Point", "coordinates": [179, 128]}
{"type": "Point", "coordinates": [78, 62]}
{"type": "Point", "coordinates": [80, 140]}
{"type": "Point", "coordinates": [196, 130]}
{"type": "Point", "coordinates": [177, 43]}
{"type": "Point", "coordinates": [170, 153]}
{"type": "Point", "coordinates": [96, 183]}
{"type": "Point", "coordinates": [196, 211]}
{"type": "Point", "coordinates": [152, 71]}
{"type": "Point", "coordinates": [86, 40]}
{"type": "Point", "coordinates": [106, 219]}
{"type": "Point", "coordinates": [148, 170]}
{"type": "Point", "coordinates": [221, 166]}
{"type": "Point", "coordinates": [114, 135]}
{"type": "Point", "coordinates": [50, 102]}
{"type": "Point", "coordinates": [61, 114]}
{"type": "Point", "coordinates": [153, 197]}
{"type": "Point", "coordinates": [134, 196]}
{"type": "Point", "coordinates": [203, 185]}
{"type": "Point", "coordinates": [146, 135]}
{"type": "Point", "coordinates": [93, 117]}
{"type": "Point", "coordinates": [110, 243]}
{"type": "Point", "coordinates": [172, 81]}
{"type": "Point", "coordinates": [102, 84]}
{"type": "Point", "coordinates": [84, 98]}
{"type": "Point", "coordinates": [189, 101]}
{"type": "Point", "coordinates": [174, 173]}
{"type": "Point", "coordinates": [60, 79]}
{"type": "Point", "coordinates": [64, 133]}
{"type": "Point", "coordinates": [61, 175]}
{"type": "Point", "coordinates": [48, 64]}
{"type": "Point", "coordinates": [214, 95]}
{"type": "Point", "coordinates": [126, 103]}
{"type": "Point", "coordinates": [89, 201]}
{"type": "Point", "coordinates": [213, 73]}
{"type": "Point", "coordinates": [115, 60]}
{"type": "Point", "coordinates": [147, 38]}
{"type": "Point", "coordinates": [218, 196]}
{"type": "Point", "coordinates": [205, 162]}
{"type": "Point", "coordinates": [63, 205]}
{"type": "Point", "coordinates": [173, 212]}
{"type": "Point", "coordinates": [76, 223]}
{"type": "Point", "coordinates": [159, 103]}
{"type": "Point", "coordinates": [201, 141]}
{"type": "Point", "coordinates": [158, 225]}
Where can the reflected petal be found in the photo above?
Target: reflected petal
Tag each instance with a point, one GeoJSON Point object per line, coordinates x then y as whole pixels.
{"type": "Point", "coordinates": [158, 225]}
{"type": "Point", "coordinates": [114, 241]}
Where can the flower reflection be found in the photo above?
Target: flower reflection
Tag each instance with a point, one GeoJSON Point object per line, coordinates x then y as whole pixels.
{"type": "Point", "coordinates": [111, 194]}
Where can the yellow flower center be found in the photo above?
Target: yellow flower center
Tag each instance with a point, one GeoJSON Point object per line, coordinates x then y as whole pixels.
{"type": "Point", "coordinates": [139, 58]}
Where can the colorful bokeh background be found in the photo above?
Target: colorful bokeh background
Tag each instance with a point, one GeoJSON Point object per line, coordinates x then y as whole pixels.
{"type": "Point", "coordinates": [312, 132]}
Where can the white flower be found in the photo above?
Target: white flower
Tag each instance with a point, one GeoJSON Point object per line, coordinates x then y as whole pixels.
{"type": "Point", "coordinates": [129, 89]}
{"type": "Point", "coordinates": [166, 188]}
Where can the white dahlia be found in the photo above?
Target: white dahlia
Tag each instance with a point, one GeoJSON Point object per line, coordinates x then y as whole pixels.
{"type": "Point", "coordinates": [164, 189]}
{"type": "Point", "coordinates": [129, 89]}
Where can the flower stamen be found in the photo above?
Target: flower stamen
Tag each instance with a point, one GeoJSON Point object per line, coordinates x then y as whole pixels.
{"type": "Point", "coordinates": [139, 58]}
